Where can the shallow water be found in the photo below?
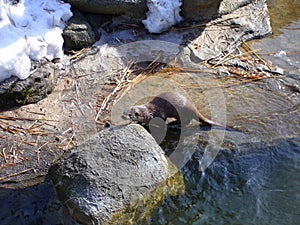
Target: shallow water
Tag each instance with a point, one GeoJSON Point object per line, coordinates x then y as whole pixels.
{"type": "Point", "coordinates": [261, 186]}
{"type": "Point", "coordinates": [282, 47]}
{"type": "Point", "coordinates": [255, 179]}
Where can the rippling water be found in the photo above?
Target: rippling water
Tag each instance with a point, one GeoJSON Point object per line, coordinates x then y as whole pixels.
{"type": "Point", "coordinates": [260, 186]}
{"type": "Point", "coordinates": [282, 48]}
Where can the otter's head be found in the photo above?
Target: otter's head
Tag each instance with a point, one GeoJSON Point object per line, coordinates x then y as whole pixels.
{"type": "Point", "coordinates": [138, 114]}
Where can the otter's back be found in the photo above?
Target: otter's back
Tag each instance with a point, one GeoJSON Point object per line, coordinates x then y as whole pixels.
{"type": "Point", "coordinates": [173, 104]}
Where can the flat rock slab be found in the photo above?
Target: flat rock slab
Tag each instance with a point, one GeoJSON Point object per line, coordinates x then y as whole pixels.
{"type": "Point", "coordinates": [109, 172]}
{"type": "Point", "coordinates": [226, 33]}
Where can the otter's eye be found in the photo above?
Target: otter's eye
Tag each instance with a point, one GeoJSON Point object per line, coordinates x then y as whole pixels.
{"type": "Point", "coordinates": [136, 114]}
{"type": "Point", "coordinates": [130, 115]}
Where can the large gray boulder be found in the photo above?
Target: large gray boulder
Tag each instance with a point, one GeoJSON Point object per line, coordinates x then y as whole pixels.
{"type": "Point", "coordinates": [207, 9]}
{"type": "Point", "coordinates": [134, 8]}
{"type": "Point", "coordinates": [109, 173]}
{"type": "Point", "coordinates": [191, 9]}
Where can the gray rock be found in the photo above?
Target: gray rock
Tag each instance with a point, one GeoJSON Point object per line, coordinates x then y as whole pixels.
{"type": "Point", "coordinates": [194, 10]}
{"type": "Point", "coordinates": [204, 42]}
{"type": "Point", "coordinates": [227, 32]}
{"type": "Point", "coordinates": [228, 6]}
{"type": "Point", "coordinates": [78, 33]}
{"type": "Point", "coordinates": [15, 92]}
{"type": "Point", "coordinates": [132, 8]}
{"type": "Point", "coordinates": [217, 38]}
{"type": "Point", "coordinates": [108, 173]}
{"type": "Point", "coordinates": [197, 10]}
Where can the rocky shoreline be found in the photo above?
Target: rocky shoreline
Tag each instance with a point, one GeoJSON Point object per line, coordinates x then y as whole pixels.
{"type": "Point", "coordinates": [60, 130]}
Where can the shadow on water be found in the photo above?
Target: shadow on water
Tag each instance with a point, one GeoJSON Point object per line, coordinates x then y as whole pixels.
{"type": "Point", "coordinates": [258, 187]}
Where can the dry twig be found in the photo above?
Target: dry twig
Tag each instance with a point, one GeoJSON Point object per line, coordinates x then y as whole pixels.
{"type": "Point", "coordinates": [4, 155]}
{"type": "Point", "coordinates": [78, 53]}
{"type": "Point", "coordinates": [226, 58]}
{"type": "Point", "coordinates": [39, 149]}
{"type": "Point", "coordinates": [120, 84]}
{"type": "Point", "coordinates": [17, 173]}
{"type": "Point", "coordinates": [25, 118]}
{"type": "Point", "coordinates": [247, 48]}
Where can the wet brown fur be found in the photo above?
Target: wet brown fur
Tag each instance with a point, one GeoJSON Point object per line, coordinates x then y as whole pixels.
{"type": "Point", "coordinates": [167, 105]}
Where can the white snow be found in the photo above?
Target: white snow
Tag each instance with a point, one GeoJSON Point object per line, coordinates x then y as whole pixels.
{"type": "Point", "coordinates": [30, 30]}
{"type": "Point", "coordinates": [162, 15]}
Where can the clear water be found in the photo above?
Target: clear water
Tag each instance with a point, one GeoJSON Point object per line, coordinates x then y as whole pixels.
{"type": "Point", "coordinates": [261, 186]}
{"type": "Point", "coordinates": [282, 47]}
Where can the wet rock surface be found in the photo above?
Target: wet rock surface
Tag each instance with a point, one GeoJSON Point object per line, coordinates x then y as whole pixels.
{"type": "Point", "coordinates": [109, 172]}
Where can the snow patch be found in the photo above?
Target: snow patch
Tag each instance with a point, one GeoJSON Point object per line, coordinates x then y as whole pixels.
{"type": "Point", "coordinates": [162, 15]}
{"type": "Point", "coordinates": [30, 30]}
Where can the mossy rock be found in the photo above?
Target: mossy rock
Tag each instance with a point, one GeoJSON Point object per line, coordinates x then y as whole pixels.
{"type": "Point", "coordinates": [15, 92]}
